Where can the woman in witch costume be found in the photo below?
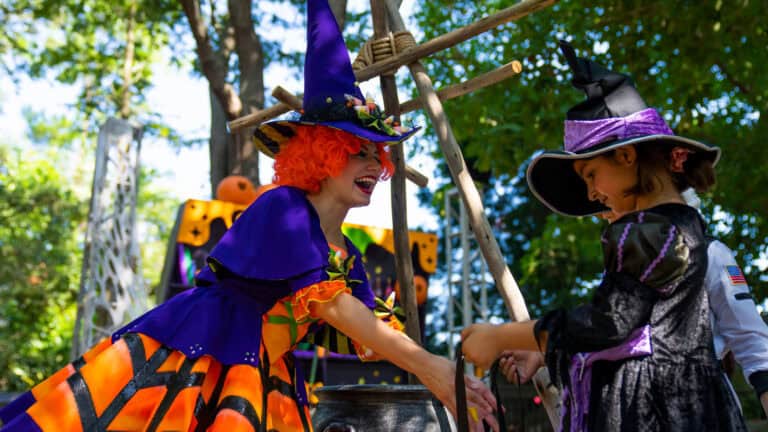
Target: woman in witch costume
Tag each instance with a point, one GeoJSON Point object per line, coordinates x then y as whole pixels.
{"type": "Point", "coordinates": [639, 356]}
{"type": "Point", "coordinates": [219, 357]}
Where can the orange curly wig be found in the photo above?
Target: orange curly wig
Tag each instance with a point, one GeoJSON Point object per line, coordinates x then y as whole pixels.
{"type": "Point", "coordinates": [318, 152]}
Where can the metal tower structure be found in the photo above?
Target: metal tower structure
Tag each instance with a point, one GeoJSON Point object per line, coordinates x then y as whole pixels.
{"type": "Point", "coordinates": [466, 271]}
{"type": "Point", "coordinates": [111, 289]}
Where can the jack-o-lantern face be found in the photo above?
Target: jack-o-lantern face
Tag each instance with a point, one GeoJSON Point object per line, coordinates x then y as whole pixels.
{"type": "Point", "coordinates": [236, 189]}
{"type": "Point", "coordinates": [420, 285]}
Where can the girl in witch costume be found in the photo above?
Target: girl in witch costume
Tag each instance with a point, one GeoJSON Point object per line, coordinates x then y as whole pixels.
{"type": "Point", "coordinates": [219, 357]}
{"type": "Point", "coordinates": [639, 356]}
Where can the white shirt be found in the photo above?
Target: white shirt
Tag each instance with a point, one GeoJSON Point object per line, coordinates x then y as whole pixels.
{"type": "Point", "coordinates": [736, 324]}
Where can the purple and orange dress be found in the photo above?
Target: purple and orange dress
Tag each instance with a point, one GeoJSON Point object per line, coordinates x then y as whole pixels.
{"type": "Point", "coordinates": [217, 357]}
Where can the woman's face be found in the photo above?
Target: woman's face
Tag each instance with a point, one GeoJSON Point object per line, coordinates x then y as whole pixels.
{"type": "Point", "coordinates": [356, 182]}
{"type": "Point", "coordinates": [609, 177]}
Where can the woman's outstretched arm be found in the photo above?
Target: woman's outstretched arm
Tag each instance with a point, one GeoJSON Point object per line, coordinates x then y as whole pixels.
{"type": "Point", "coordinates": [350, 316]}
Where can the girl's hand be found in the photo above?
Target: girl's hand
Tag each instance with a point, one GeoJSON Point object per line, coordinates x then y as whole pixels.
{"type": "Point", "coordinates": [438, 376]}
{"type": "Point", "coordinates": [525, 363]}
{"type": "Point", "coordinates": [480, 344]}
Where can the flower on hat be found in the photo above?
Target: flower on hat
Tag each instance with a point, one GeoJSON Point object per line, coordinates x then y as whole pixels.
{"type": "Point", "coordinates": [370, 115]}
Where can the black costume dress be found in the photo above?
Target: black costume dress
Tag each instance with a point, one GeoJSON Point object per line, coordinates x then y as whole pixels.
{"type": "Point", "coordinates": [640, 356]}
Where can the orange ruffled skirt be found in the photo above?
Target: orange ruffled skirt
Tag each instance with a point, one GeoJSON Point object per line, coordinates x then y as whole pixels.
{"type": "Point", "coordinates": [137, 384]}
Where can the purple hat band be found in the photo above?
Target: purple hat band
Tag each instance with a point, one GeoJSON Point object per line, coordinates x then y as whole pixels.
{"type": "Point", "coordinates": [584, 134]}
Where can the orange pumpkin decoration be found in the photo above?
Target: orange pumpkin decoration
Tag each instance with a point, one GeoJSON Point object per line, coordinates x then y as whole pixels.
{"type": "Point", "coordinates": [420, 285]}
{"type": "Point", "coordinates": [236, 189]}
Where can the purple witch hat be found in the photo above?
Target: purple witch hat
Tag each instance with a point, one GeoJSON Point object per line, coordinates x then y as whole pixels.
{"type": "Point", "coordinates": [613, 115]}
{"type": "Point", "coordinates": [332, 97]}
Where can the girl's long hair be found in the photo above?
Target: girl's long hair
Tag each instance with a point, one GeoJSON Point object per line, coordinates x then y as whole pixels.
{"type": "Point", "coordinates": [655, 157]}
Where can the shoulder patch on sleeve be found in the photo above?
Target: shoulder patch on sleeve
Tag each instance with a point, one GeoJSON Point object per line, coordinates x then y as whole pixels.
{"type": "Point", "coordinates": [735, 276]}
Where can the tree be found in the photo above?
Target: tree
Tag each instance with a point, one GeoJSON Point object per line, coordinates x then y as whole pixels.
{"type": "Point", "coordinates": [39, 219]}
{"type": "Point", "coordinates": [711, 91]}
{"type": "Point", "coordinates": [232, 54]}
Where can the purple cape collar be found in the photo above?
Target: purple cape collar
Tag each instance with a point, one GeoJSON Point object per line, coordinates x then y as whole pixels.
{"type": "Point", "coordinates": [581, 135]}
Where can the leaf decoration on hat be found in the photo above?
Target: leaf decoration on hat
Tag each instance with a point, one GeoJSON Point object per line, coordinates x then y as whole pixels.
{"type": "Point", "coordinates": [365, 113]}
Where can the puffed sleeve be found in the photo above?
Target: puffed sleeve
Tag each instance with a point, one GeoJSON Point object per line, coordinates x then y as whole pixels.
{"type": "Point", "coordinates": [645, 259]}
{"type": "Point", "coordinates": [648, 247]}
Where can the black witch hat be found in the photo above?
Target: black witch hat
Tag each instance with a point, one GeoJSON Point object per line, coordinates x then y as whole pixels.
{"type": "Point", "coordinates": [613, 115]}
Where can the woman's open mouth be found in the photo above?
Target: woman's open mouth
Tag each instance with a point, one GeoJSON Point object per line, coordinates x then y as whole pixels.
{"type": "Point", "coordinates": [366, 184]}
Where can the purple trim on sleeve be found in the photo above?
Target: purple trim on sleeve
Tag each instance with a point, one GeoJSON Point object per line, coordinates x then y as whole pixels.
{"type": "Point", "coordinates": [584, 134]}
{"type": "Point", "coordinates": [624, 234]}
{"type": "Point", "coordinates": [657, 260]}
{"type": "Point", "coordinates": [640, 217]}
{"type": "Point", "coordinates": [576, 398]}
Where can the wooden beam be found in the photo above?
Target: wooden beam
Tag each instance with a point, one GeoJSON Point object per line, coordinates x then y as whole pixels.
{"type": "Point", "coordinates": [432, 46]}
{"type": "Point", "coordinates": [487, 79]}
{"type": "Point", "coordinates": [257, 117]}
{"type": "Point", "coordinates": [416, 177]}
{"type": "Point", "coordinates": [294, 101]}
{"type": "Point", "coordinates": [452, 38]}
{"type": "Point", "coordinates": [291, 101]}
{"type": "Point", "coordinates": [402, 246]}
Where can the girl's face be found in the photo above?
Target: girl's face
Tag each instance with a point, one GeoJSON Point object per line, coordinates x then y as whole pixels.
{"type": "Point", "coordinates": [355, 184]}
{"type": "Point", "coordinates": [608, 179]}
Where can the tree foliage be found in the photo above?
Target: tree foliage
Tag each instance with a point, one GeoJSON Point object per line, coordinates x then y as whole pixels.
{"type": "Point", "coordinates": [696, 62]}
{"type": "Point", "coordinates": [106, 49]}
{"type": "Point", "coordinates": [39, 217]}
{"type": "Point", "coordinates": [699, 63]}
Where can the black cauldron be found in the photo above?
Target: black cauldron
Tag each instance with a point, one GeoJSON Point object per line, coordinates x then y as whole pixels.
{"type": "Point", "coordinates": [379, 408]}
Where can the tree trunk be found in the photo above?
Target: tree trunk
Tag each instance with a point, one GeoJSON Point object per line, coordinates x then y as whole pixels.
{"type": "Point", "coordinates": [220, 142]}
{"type": "Point", "coordinates": [230, 154]}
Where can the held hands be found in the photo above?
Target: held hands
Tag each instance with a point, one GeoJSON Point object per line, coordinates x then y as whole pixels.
{"type": "Point", "coordinates": [480, 344]}
{"type": "Point", "coordinates": [438, 378]}
{"type": "Point", "coordinates": [525, 363]}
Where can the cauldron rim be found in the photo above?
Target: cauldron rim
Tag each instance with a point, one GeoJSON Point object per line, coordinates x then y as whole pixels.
{"type": "Point", "coordinates": [372, 391]}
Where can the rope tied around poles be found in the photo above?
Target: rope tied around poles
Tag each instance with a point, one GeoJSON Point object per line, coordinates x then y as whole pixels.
{"type": "Point", "coordinates": [377, 50]}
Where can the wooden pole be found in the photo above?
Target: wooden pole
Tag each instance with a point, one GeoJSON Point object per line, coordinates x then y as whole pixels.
{"type": "Point", "coordinates": [257, 117]}
{"type": "Point", "coordinates": [497, 266]}
{"type": "Point", "coordinates": [487, 79]}
{"type": "Point", "coordinates": [295, 103]}
{"type": "Point", "coordinates": [470, 196]}
{"type": "Point", "coordinates": [508, 70]}
{"type": "Point", "coordinates": [403, 260]}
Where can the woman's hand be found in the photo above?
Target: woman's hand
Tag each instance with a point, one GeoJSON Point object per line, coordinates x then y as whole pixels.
{"type": "Point", "coordinates": [348, 315]}
{"type": "Point", "coordinates": [438, 376]}
{"type": "Point", "coordinates": [480, 344]}
{"type": "Point", "coordinates": [369, 355]}
{"type": "Point", "coordinates": [525, 363]}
